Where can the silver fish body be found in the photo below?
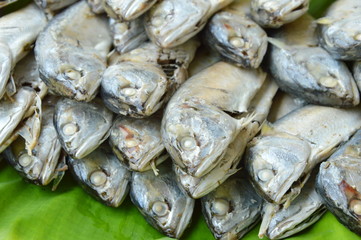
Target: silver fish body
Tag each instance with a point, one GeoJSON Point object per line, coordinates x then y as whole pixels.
{"type": "Point", "coordinates": [40, 166]}
{"type": "Point", "coordinates": [137, 142]}
{"type": "Point", "coordinates": [281, 158]}
{"type": "Point", "coordinates": [127, 9]}
{"type": "Point", "coordinates": [275, 13]}
{"type": "Point", "coordinates": [357, 73]}
{"type": "Point", "coordinates": [202, 60]}
{"type": "Point", "coordinates": [96, 6]}
{"type": "Point", "coordinates": [338, 183]}
{"type": "Point", "coordinates": [170, 23]}
{"type": "Point", "coordinates": [54, 5]}
{"type": "Point", "coordinates": [198, 187]}
{"type": "Point", "coordinates": [102, 176]}
{"type": "Point", "coordinates": [305, 210]}
{"type": "Point", "coordinates": [16, 40]}
{"type": "Point", "coordinates": [309, 72]}
{"type": "Point", "coordinates": [339, 30]}
{"type": "Point", "coordinates": [232, 209]}
{"type": "Point", "coordinates": [127, 35]}
{"type": "Point", "coordinates": [206, 114]}
{"type": "Point", "coordinates": [161, 201]}
{"type": "Point", "coordinates": [141, 81]}
{"type": "Point", "coordinates": [237, 37]}
{"type": "Point", "coordinates": [81, 126]}
{"type": "Point", "coordinates": [71, 52]}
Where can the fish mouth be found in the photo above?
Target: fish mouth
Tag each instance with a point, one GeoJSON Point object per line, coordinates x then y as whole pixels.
{"type": "Point", "coordinates": [185, 218]}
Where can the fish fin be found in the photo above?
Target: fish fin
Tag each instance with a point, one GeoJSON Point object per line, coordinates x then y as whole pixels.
{"type": "Point", "coordinates": [154, 168]}
{"type": "Point", "coordinates": [324, 21]}
{"type": "Point", "coordinates": [277, 43]}
{"type": "Point", "coordinates": [59, 172]}
{"type": "Point", "coordinates": [268, 211]}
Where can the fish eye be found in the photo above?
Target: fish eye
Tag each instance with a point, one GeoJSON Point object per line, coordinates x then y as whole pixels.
{"type": "Point", "coordinates": [188, 143]}
{"type": "Point", "coordinates": [25, 160]}
{"type": "Point", "coordinates": [237, 42]}
{"type": "Point", "coordinates": [129, 91]}
{"type": "Point", "coordinates": [98, 178]}
{"type": "Point", "coordinates": [220, 207]}
{"type": "Point", "coordinates": [355, 206]}
{"type": "Point", "coordinates": [72, 74]}
{"type": "Point", "coordinates": [160, 208]}
{"type": "Point", "coordinates": [70, 129]}
{"type": "Point", "coordinates": [328, 82]}
{"type": "Point", "coordinates": [129, 143]}
{"type": "Point", "coordinates": [265, 175]}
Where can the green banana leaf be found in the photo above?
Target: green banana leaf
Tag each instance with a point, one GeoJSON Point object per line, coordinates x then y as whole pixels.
{"type": "Point", "coordinates": [29, 212]}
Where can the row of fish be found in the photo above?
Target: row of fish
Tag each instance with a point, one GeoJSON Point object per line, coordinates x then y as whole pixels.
{"type": "Point", "coordinates": [202, 133]}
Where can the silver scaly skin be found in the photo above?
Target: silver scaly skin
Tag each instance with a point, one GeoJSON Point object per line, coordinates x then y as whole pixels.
{"type": "Point", "coordinates": [137, 142]}
{"type": "Point", "coordinates": [140, 82]}
{"type": "Point", "coordinates": [163, 204]}
{"type": "Point", "coordinates": [340, 31]}
{"type": "Point", "coordinates": [207, 113]}
{"type": "Point", "coordinates": [339, 183]}
{"type": "Point", "coordinates": [259, 107]}
{"type": "Point", "coordinates": [170, 23]}
{"type": "Point", "coordinates": [305, 210]}
{"type": "Point", "coordinates": [102, 176]}
{"type": "Point", "coordinates": [237, 37]}
{"type": "Point", "coordinates": [304, 70]}
{"type": "Point", "coordinates": [127, 35]}
{"type": "Point", "coordinates": [280, 160]}
{"type": "Point", "coordinates": [275, 13]}
{"type": "Point", "coordinates": [53, 5]}
{"type": "Point", "coordinates": [127, 10]}
{"type": "Point", "coordinates": [202, 60]}
{"type": "Point", "coordinates": [81, 126]}
{"type": "Point", "coordinates": [232, 209]}
{"type": "Point", "coordinates": [357, 73]}
{"type": "Point", "coordinates": [71, 52]}
{"type": "Point", "coordinates": [15, 40]}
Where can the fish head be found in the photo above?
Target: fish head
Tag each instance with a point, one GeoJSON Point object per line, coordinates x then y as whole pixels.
{"type": "Point", "coordinates": [101, 174]}
{"type": "Point", "coordinates": [81, 126]}
{"type": "Point", "coordinates": [161, 201]}
{"type": "Point", "coordinates": [134, 89]}
{"type": "Point", "coordinates": [196, 135]}
{"type": "Point", "coordinates": [171, 23]}
{"type": "Point", "coordinates": [275, 163]}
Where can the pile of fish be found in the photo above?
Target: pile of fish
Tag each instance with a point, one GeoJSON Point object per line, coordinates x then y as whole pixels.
{"type": "Point", "coordinates": [261, 123]}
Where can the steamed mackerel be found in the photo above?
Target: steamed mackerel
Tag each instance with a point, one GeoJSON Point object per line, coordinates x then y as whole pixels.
{"type": "Point", "coordinates": [54, 5]}
{"type": "Point", "coordinates": [140, 82]}
{"type": "Point", "coordinates": [275, 13]}
{"type": "Point", "coordinates": [232, 209]}
{"type": "Point", "coordinates": [170, 23]}
{"type": "Point", "coordinates": [138, 143]}
{"type": "Point", "coordinates": [207, 113]}
{"type": "Point", "coordinates": [71, 52]}
{"type": "Point", "coordinates": [81, 126]}
{"type": "Point", "coordinates": [340, 31]}
{"type": "Point", "coordinates": [102, 176]}
{"type": "Point", "coordinates": [304, 70]}
{"type": "Point", "coordinates": [16, 40]}
{"type": "Point", "coordinates": [127, 10]}
{"type": "Point", "coordinates": [339, 183]}
{"type": "Point", "coordinates": [237, 37]}
{"type": "Point", "coordinates": [281, 158]}
{"type": "Point", "coordinates": [305, 210]}
{"type": "Point", "coordinates": [166, 207]}
{"type": "Point", "coordinates": [259, 107]}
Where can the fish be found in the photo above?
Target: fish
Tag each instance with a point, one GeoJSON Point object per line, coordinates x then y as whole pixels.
{"type": "Point", "coordinates": [339, 31]}
{"type": "Point", "coordinates": [236, 37]}
{"type": "Point", "coordinates": [138, 142]}
{"type": "Point", "coordinates": [53, 5]}
{"type": "Point", "coordinates": [280, 160]}
{"type": "Point", "coordinates": [96, 6]}
{"type": "Point", "coordinates": [203, 59]}
{"type": "Point", "coordinates": [338, 183]}
{"type": "Point", "coordinates": [127, 9]}
{"type": "Point", "coordinates": [102, 176]}
{"type": "Point", "coordinates": [232, 209]}
{"type": "Point", "coordinates": [81, 126]}
{"type": "Point", "coordinates": [17, 40]}
{"type": "Point", "coordinates": [357, 73]}
{"type": "Point", "coordinates": [206, 114]}
{"type": "Point", "coordinates": [306, 71]}
{"type": "Point", "coordinates": [170, 23]}
{"type": "Point", "coordinates": [276, 13]}
{"type": "Point", "coordinates": [127, 35]}
{"type": "Point", "coordinates": [159, 199]}
{"type": "Point", "coordinates": [71, 52]}
{"type": "Point", "coordinates": [41, 164]}
{"type": "Point", "coordinates": [140, 82]}
{"type": "Point", "coordinates": [197, 187]}
{"type": "Point", "coordinates": [305, 210]}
